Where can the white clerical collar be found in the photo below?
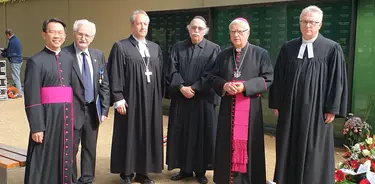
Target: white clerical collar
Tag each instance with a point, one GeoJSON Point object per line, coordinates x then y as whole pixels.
{"type": "Point", "coordinates": [142, 47]}
{"type": "Point", "coordinates": [143, 41]}
{"type": "Point", "coordinates": [309, 45]}
{"type": "Point", "coordinates": [56, 52]}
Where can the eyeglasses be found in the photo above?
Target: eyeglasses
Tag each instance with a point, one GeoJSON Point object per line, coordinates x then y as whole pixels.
{"type": "Point", "coordinates": [197, 27]}
{"type": "Point", "coordinates": [52, 32]}
{"type": "Point", "coordinates": [81, 35]}
{"type": "Point", "coordinates": [305, 22]}
{"type": "Point", "coordinates": [240, 32]}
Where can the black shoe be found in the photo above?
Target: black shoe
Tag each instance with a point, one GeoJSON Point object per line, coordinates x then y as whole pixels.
{"type": "Point", "coordinates": [181, 176]}
{"type": "Point", "coordinates": [202, 180]}
{"type": "Point", "coordinates": [143, 179]}
{"type": "Point", "coordinates": [126, 179]}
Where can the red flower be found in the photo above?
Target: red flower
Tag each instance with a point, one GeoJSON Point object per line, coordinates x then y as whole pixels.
{"type": "Point", "coordinates": [362, 147]}
{"type": "Point", "coordinates": [364, 181]}
{"type": "Point", "coordinates": [347, 154]}
{"type": "Point", "coordinates": [354, 164]}
{"type": "Point", "coordinates": [339, 176]}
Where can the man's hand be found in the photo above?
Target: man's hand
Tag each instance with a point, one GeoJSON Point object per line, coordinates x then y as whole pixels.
{"type": "Point", "coordinates": [328, 117]}
{"type": "Point", "coordinates": [275, 112]}
{"type": "Point", "coordinates": [187, 92]}
{"type": "Point", "coordinates": [121, 109]}
{"type": "Point", "coordinates": [37, 137]}
{"type": "Point", "coordinates": [240, 87]}
{"type": "Point", "coordinates": [105, 117]}
{"type": "Point", "coordinates": [230, 88]}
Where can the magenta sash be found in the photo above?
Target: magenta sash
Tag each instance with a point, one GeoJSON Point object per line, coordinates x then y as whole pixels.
{"type": "Point", "coordinates": [56, 95]}
{"type": "Point", "coordinates": [241, 109]}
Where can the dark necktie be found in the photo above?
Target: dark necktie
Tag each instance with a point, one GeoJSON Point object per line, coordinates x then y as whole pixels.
{"type": "Point", "coordinates": [86, 77]}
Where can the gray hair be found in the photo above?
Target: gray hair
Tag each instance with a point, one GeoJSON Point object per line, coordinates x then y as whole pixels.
{"type": "Point", "coordinates": [312, 9]}
{"type": "Point", "coordinates": [202, 19]}
{"type": "Point", "coordinates": [77, 23]}
{"type": "Point", "coordinates": [239, 21]}
{"type": "Point", "coordinates": [136, 12]}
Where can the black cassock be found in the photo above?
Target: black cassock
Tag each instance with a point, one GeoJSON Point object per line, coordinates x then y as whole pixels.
{"type": "Point", "coordinates": [303, 90]}
{"type": "Point", "coordinates": [49, 109]}
{"type": "Point", "coordinates": [192, 122]}
{"type": "Point", "coordinates": [137, 143]}
{"type": "Point", "coordinates": [257, 73]}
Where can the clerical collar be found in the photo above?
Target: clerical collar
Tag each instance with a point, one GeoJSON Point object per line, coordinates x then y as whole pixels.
{"type": "Point", "coordinates": [309, 45]}
{"type": "Point", "coordinates": [241, 49]}
{"type": "Point", "coordinates": [142, 47]}
{"type": "Point", "coordinates": [140, 40]}
{"type": "Point", "coordinates": [79, 51]}
{"type": "Point", "coordinates": [56, 52]}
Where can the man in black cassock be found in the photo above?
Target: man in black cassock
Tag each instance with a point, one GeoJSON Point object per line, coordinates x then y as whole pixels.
{"type": "Point", "coordinates": [49, 110]}
{"type": "Point", "coordinates": [136, 83]}
{"type": "Point", "coordinates": [310, 88]}
{"type": "Point", "coordinates": [192, 116]}
{"type": "Point", "coordinates": [243, 69]}
{"type": "Point", "coordinates": [90, 95]}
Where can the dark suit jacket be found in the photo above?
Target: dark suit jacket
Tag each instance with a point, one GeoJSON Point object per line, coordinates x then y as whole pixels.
{"type": "Point", "coordinates": [99, 64]}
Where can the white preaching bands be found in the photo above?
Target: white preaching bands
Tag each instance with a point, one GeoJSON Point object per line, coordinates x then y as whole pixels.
{"type": "Point", "coordinates": [309, 45]}
{"type": "Point", "coordinates": [143, 50]}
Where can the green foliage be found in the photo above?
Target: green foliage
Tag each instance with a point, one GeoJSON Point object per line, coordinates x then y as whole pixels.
{"type": "Point", "coordinates": [10, 1]}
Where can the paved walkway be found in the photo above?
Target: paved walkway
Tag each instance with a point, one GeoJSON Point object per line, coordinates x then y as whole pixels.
{"type": "Point", "coordinates": [14, 131]}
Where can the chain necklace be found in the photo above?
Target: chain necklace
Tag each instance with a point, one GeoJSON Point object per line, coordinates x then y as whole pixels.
{"type": "Point", "coordinates": [237, 73]}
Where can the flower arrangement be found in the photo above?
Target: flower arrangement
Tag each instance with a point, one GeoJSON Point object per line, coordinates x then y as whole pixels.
{"type": "Point", "coordinates": [358, 165]}
{"type": "Point", "coordinates": [355, 130]}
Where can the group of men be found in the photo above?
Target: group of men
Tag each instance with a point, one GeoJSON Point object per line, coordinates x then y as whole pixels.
{"type": "Point", "coordinates": [307, 90]}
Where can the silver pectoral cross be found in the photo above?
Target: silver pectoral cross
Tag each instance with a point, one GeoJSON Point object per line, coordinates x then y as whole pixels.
{"type": "Point", "coordinates": [237, 74]}
{"type": "Point", "coordinates": [148, 75]}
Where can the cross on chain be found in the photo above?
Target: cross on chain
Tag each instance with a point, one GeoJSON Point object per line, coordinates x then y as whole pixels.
{"type": "Point", "coordinates": [148, 75]}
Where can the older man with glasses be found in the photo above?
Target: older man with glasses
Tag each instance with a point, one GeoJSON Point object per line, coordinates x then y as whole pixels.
{"type": "Point", "coordinates": [242, 73]}
{"type": "Point", "coordinates": [309, 90]}
{"type": "Point", "coordinates": [192, 115]}
{"type": "Point", "coordinates": [90, 86]}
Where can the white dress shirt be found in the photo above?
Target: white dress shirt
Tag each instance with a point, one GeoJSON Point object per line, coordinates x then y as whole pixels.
{"type": "Point", "coordinates": [88, 59]}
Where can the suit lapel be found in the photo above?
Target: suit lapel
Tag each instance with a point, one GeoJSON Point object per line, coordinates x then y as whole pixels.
{"type": "Point", "coordinates": [75, 64]}
{"type": "Point", "coordinates": [95, 68]}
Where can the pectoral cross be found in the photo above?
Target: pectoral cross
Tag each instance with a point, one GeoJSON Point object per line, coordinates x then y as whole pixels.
{"type": "Point", "coordinates": [148, 74]}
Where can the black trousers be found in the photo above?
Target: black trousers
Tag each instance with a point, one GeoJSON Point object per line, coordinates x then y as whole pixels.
{"type": "Point", "coordinates": [87, 135]}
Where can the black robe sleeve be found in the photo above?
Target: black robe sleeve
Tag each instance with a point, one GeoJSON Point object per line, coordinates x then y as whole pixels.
{"type": "Point", "coordinates": [173, 76]}
{"type": "Point", "coordinates": [160, 55]}
{"type": "Point", "coordinates": [216, 82]}
{"type": "Point", "coordinates": [336, 89]}
{"type": "Point", "coordinates": [116, 67]}
{"type": "Point", "coordinates": [104, 88]}
{"type": "Point", "coordinates": [33, 107]}
{"type": "Point", "coordinates": [276, 88]}
{"type": "Point", "coordinates": [260, 84]}
{"type": "Point", "coordinates": [198, 85]}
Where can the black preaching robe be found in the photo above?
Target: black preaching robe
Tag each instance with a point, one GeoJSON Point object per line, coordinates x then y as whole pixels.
{"type": "Point", "coordinates": [257, 73]}
{"type": "Point", "coordinates": [192, 122]}
{"type": "Point", "coordinates": [303, 91]}
{"type": "Point", "coordinates": [137, 143]}
{"type": "Point", "coordinates": [51, 161]}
